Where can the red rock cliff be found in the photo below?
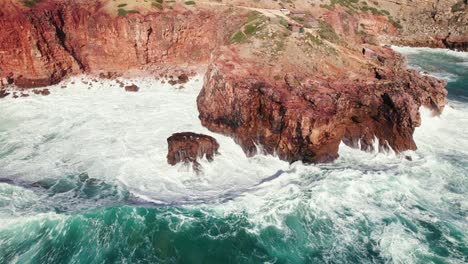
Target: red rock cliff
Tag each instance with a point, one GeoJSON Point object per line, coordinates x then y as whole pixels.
{"type": "Point", "coordinates": [298, 95]}
{"type": "Point", "coordinates": [40, 45]}
{"type": "Point", "coordinates": [306, 117]}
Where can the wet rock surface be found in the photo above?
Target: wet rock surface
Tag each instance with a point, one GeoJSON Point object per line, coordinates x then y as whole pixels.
{"type": "Point", "coordinates": [304, 118]}
{"type": "Point", "coordinates": [43, 92]}
{"type": "Point", "coordinates": [188, 147]}
{"type": "Point", "coordinates": [132, 88]}
{"type": "Point", "coordinates": [4, 93]}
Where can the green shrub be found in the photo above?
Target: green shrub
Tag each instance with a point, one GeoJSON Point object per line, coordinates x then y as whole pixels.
{"type": "Point", "coordinates": [375, 11]}
{"type": "Point", "coordinates": [31, 3]}
{"type": "Point", "coordinates": [122, 12]}
{"type": "Point", "coordinates": [284, 22]}
{"type": "Point", "coordinates": [329, 7]}
{"type": "Point", "coordinates": [327, 32]}
{"type": "Point", "coordinates": [238, 37]}
{"type": "Point", "coordinates": [299, 20]}
{"type": "Point", "coordinates": [315, 40]}
{"type": "Point", "coordinates": [157, 5]}
{"type": "Point", "coordinates": [250, 29]}
{"type": "Point", "coordinates": [395, 23]}
{"type": "Point", "coordinates": [345, 3]}
{"type": "Point", "coordinates": [122, 5]}
{"type": "Point", "coordinates": [189, 2]}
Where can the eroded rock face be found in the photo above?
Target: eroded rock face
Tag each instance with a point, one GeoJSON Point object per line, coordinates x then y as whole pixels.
{"type": "Point", "coordinates": [304, 118]}
{"type": "Point", "coordinates": [41, 45]}
{"type": "Point", "coordinates": [456, 44]}
{"type": "Point", "coordinates": [188, 147]}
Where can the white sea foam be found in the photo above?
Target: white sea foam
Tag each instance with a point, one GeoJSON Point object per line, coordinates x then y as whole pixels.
{"type": "Point", "coordinates": [411, 50]}
{"type": "Point", "coordinates": [363, 188]}
{"type": "Point", "coordinates": [120, 137]}
{"type": "Point", "coordinates": [115, 135]}
{"type": "Point", "coordinates": [425, 61]}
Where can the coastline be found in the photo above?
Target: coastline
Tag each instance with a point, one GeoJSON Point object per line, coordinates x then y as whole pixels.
{"type": "Point", "coordinates": [366, 205]}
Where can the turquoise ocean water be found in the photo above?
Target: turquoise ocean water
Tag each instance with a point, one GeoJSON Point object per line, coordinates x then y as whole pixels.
{"type": "Point", "coordinates": [83, 179]}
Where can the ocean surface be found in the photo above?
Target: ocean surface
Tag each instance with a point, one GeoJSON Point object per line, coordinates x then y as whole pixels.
{"type": "Point", "coordinates": [84, 179]}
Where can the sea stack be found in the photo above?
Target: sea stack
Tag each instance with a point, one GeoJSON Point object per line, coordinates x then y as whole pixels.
{"type": "Point", "coordinates": [188, 147]}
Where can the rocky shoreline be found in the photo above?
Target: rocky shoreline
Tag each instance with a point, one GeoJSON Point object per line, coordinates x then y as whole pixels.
{"type": "Point", "coordinates": [42, 45]}
{"type": "Point", "coordinates": [297, 94]}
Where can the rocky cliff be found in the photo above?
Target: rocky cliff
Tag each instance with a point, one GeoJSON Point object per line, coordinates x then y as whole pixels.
{"type": "Point", "coordinates": [305, 117]}
{"type": "Point", "coordinates": [42, 44]}
{"type": "Point", "coordinates": [296, 84]}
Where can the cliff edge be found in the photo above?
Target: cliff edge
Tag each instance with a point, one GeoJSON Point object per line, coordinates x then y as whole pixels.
{"type": "Point", "coordinates": [297, 78]}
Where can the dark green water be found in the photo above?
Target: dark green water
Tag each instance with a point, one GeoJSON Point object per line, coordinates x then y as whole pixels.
{"type": "Point", "coordinates": [448, 65]}
{"type": "Point", "coordinates": [364, 208]}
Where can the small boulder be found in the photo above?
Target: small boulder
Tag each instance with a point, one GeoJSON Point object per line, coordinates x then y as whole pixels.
{"type": "Point", "coordinates": [43, 92]}
{"type": "Point", "coordinates": [3, 93]}
{"type": "Point", "coordinates": [183, 78]}
{"type": "Point", "coordinates": [187, 147]}
{"type": "Point", "coordinates": [120, 83]}
{"type": "Point", "coordinates": [132, 88]}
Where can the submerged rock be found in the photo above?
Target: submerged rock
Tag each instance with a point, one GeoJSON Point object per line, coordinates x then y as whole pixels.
{"type": "Point", "coordinates": [187, 147]}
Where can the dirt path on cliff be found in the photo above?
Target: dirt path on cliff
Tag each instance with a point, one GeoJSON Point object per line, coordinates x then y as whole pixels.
{"type": "Point", "coordinates": [266, 12]}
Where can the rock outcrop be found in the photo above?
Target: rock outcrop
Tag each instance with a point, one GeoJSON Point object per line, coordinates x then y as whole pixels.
{"type": "Point", "coordinates": [305, 118]}
{"type": "Point", "coordinates": [188, 147]}
{"type": "Point", "coordinates": [460, 44]}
